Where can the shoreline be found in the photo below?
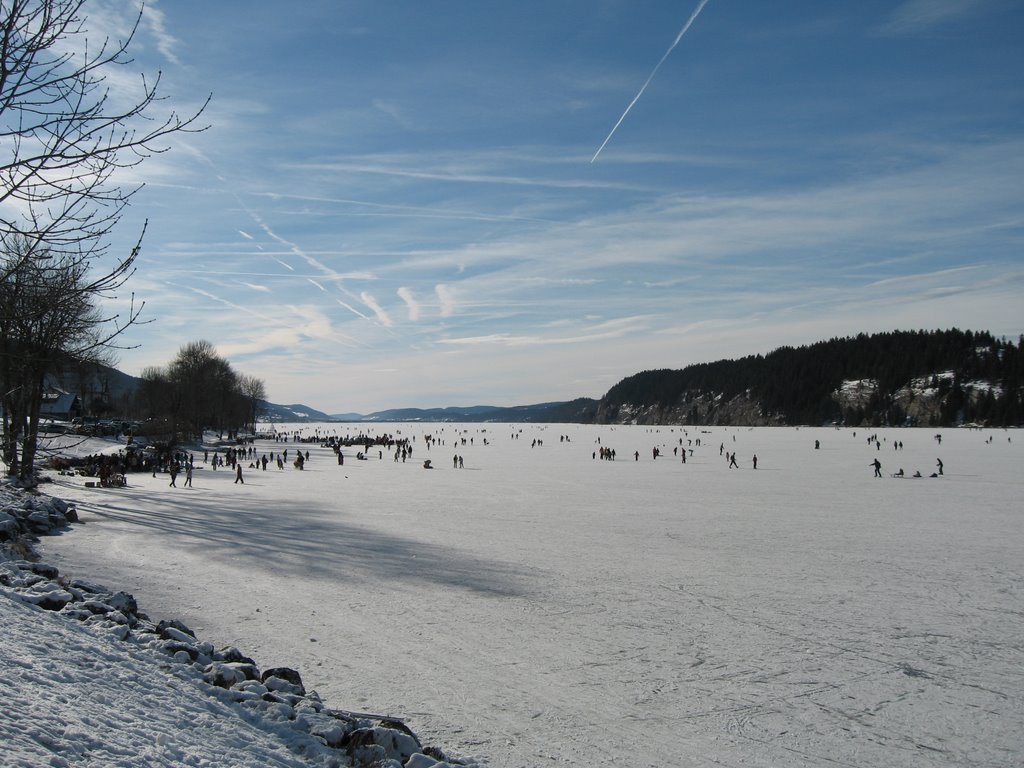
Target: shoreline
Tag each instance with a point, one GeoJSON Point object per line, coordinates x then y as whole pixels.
{"type": "Point", "coordinates": [276, 695]}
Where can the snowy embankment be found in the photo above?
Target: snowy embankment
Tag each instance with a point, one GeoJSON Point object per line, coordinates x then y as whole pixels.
{"type": "Point", "coordinates": [88, 679]}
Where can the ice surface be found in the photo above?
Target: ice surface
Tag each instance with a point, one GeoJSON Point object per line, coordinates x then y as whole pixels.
{"type": "Point", "coordinates": [543, 607]}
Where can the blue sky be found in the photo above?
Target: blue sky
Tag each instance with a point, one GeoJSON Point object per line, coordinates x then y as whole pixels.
{"type": "Point", "coordinates": [396, 205]}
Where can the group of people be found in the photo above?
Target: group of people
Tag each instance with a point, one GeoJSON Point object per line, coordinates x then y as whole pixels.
{"type": "Point", "coordinates": [175, 469]}
{"type": "Point", "coordinates": [899, 473]}
{"type": "Point", "coordinates": [179, 462]}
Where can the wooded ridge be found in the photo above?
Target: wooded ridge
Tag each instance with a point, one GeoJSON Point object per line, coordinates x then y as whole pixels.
{"type": "Point", "coordinates": [901, 378]}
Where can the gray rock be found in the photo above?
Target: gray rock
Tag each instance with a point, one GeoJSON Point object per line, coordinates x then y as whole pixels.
{"type": "Point", "coordinates": [42, 569]}
{"type": "Point", "coordinates": [283, 675]}
{"type": "Point", "coordinates": [227, 674]}
{"type": "Point", "coordinates": [51, 599]}
{"type": "Point", "coordinates": [232, 654]}
{"type": "Point", "coordinates": [125, 603]}
{"type": "Point", "coordinates": [166, 625]}
{"type": "Point", "coordinates": [396, 745]}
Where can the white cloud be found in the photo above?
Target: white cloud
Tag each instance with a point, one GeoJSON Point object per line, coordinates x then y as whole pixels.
{"type": "Point", "coordinates": [915, 15]}
{"type": "Point", "coordinates": [611, 329]}
{"type": "Point", "coordinates": [378, 310]}
{"type": "Point", "coordinates": [460, 176]}
{"type": "Point", "coordinates": [446, 297]}
{"type": "Point", "coordinates": [153, 21]}
{"type": "Point", "coordinates": [414, 308]}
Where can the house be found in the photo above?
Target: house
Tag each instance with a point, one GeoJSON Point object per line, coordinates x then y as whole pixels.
{"type": "Point", "coordinates": [62, 406]}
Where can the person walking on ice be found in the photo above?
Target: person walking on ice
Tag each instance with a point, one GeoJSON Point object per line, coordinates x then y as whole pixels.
{"type": "Point", "coordinates": [732, 461]}
{"type": "Point", "coordinates": [238, 474]}
{"type": "Point", "coordinates": [878, 467]}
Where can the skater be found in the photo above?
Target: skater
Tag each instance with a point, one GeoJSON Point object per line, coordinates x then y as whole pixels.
{"type": "Point", "coordinates": [755, 461]}
{"type": "Point", "coordinates": [174, 474]}
{"type": "Point", "coordinates": [878, 467]}
{"type": "Point", "coordinates": [238, 474]}
{"type": "Point", "coordinates": [188, 476]}
{"type": "Point", "coordinates": [732, 461]}
{"type": "Point", "coordinates": [938, 463]}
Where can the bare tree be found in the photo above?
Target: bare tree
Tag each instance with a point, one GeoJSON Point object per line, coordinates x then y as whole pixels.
{"type": "Point", "coordinates": [158, 401]}
{"type": "Point", "coordinates": [203, 381]}
{"type": "Point", "coordinates": [64, 133]}
{"type": "Point", "coordinates": [45, 315]}
{"type": "Point", "coordinates": [64, 136]}
{"type": "Point", "coordinates": [205, 392]}
{"type": "Point", "coordinates": [254, 392]}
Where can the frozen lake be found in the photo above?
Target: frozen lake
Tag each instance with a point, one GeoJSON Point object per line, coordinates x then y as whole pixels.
{"type": "Point", "coordinates": [544, 607]}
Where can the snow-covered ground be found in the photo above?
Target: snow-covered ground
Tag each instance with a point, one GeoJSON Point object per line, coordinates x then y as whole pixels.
{"type": "Point", "coordinates": [544, 607]}
{"type": "Point", "coordinates": [75, 695]}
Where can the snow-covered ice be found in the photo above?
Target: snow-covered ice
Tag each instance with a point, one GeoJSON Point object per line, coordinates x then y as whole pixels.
{"type": "Point", "coordinates": [543, 607]}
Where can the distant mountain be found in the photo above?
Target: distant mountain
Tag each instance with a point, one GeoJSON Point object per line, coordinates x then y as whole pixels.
{"type": "Point", "coordinates": [272, 412]}
{"type": "Point", "coordinates": [582, 411]}
{"type": "Point", "coordinates": [346, 417]}
{"type": "Point", "coordinates": [105, 389]}
{"type": "Point", "coordinates": [926, 378]}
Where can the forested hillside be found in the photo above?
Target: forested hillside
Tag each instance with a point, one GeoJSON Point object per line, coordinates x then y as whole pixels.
{"type": "Point", "coordinates": [925, 378]}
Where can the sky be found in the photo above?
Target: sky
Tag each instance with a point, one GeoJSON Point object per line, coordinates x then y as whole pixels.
{"type": "Point", "coordinates": [427, 204]}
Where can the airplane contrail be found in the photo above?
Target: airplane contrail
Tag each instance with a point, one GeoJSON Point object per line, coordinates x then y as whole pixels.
{"type": "Point", "coordinates": [686, 26]}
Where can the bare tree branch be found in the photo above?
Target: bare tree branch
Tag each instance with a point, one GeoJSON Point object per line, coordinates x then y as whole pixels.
{"type": "Point", "coordinates": [64, 136]}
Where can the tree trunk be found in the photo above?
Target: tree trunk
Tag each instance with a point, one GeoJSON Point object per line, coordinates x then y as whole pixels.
{"type": "Point", "coordinates": [30, 440]}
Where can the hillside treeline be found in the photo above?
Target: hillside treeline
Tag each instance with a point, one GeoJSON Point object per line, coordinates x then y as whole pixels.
{"type": "Point", "coordinates": [967, 377]}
